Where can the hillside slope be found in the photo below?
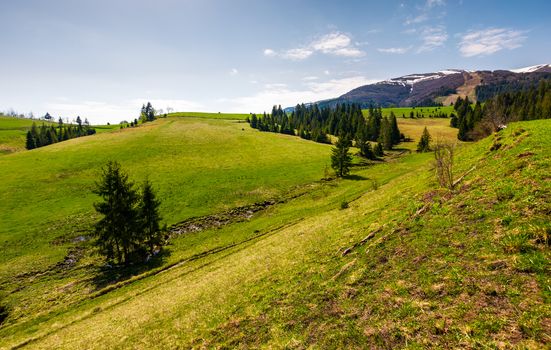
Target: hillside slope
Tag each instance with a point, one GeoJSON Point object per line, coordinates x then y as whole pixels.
{"type": "Point", "coordinates": [13, 131]}
{"type": "Point", "coordinates": [424, 89]}
{"type": "Point", "coordinates": [406, 265]}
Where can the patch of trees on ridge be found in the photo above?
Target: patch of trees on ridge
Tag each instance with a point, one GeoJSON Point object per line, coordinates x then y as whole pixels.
{"type": "Point", "coordinates": [147, 114]}
{"type": "Point", "coordinates": [346, 121]}
{"type": "Point", "coordinates": [482, 120]}
{"type": "Point", "coordinates": [44, 135]}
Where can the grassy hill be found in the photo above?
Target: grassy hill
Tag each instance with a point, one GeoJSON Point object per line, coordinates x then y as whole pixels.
{"type": "Point", "coordinates": [13, 131]}
{"type": "Point", "coordinates": [405, 265]}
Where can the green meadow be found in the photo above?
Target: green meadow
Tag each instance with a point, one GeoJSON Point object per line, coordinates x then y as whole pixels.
{"type": "Point", "coordinates": [405, 265]}
{"type": "Point", "coordinates": [423, 112]}
{"type": "Point", "coordinates": [13, 131]}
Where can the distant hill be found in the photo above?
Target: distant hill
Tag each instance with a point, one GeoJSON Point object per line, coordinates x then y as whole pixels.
{"type": "Point", "coordinates": [442, 87]}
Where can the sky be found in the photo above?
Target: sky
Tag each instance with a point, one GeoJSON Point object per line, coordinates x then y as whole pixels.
{"type": "Point", "coordinates": [102, 60]}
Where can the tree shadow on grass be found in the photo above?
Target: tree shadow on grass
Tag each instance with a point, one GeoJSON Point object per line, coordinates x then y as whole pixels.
{"type": "Point", "coordinates": [355, 177]}
{"type": "Point", "coordinates": [111, 274]}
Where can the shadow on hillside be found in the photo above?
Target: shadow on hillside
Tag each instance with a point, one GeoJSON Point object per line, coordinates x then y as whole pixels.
{"type": "Point", "coordinates": [111, 274]}
{"type": "Point", "coordinates": [355, 177]}
{"type": "Point", "coordinates": [402, 150]}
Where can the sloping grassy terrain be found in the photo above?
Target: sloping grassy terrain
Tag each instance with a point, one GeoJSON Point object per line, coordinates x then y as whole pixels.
{"type": "Point", "coordinates": [405, 266]}
{"type": "Point", "coordinates": [438, 128]}
{"type": "Point", "coordinates": [198, 166]}
{"type": "Point", "coordinates": [424, 112]}
{"type": "Point", "coordinates": [13, 131]}
{"type": "Point", "coordinates": [229, 116]}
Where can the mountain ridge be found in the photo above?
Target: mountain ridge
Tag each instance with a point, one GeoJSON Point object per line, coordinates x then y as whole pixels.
{"type": "Point", "coordinates": [441, 87]}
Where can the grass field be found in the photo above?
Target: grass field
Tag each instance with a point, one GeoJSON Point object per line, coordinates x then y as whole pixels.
{"type": "Point", "coordinates": [424, 112]}
{"type": "Point", "coordinates": [443, 269]}
{"type": "Point", "coordinates": [13, 131]}
{"type": "Point", "coordinates": [230, 116]}
{"type": "Point", "coordinates": [198, 166]}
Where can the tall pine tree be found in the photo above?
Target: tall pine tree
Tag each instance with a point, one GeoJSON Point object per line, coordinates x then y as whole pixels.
{"type": "Point", "coordinates": [341, 158]}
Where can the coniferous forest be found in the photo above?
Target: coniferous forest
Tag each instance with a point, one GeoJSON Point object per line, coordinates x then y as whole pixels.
{"type": "Point", "coordinates": [344, 121]}
{"type": "Point", "coordinates": [44, 135]}
{"type": "Point", "coordinates": [481, 120]}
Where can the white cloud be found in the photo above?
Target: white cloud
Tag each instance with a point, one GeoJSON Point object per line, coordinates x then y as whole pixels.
{"type": "Point", "coordinates": [489, 41]}
{"type": "Point", "coordinates": [331, 42]}
{"type": "Point", "coordinates": [274, 94]}
{"type": "Point", "coordinates": [326, 72]}
{"type": "Point", "coordinates": [348, 52]}
{"type": "Point", "coordinates": [234, 72]}
{"type": "Point", "coordinates": [103, 112]}
{"type": "Point", "coordinates": [434, 3]}
{"type": "Point", "coordinates": [395, 50]}
{"type": "Point", "coordinates": [310, 78]}
{"type": "Point", "coordinates": [417, 19]}
{"type": "Point", "coordinates": [426, 12]}
{"type": "Point", "coordinates": [297, 54]}
{"type": "Point", "coordinates": [432, 37]}
{"type": "Point", "coordinates": [336, 44]}
{"type": "Point", "coordinates": [269, 53]}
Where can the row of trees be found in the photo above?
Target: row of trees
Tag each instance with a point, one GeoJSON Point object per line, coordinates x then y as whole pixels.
{"type": "Point", "coordinates": [479, 121]}
{"type": "Point", "coordinates": [346, 121]}
{"type": "Point", "coordinates": [39, 136]}
{"type": "Point", "coordinates": [129, 229]}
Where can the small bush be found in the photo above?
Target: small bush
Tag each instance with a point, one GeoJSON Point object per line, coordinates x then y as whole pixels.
{"type": "Point", "coordinates": [374, 185]}
{"type": "Point", "coordinates": [443, 155]}
{"type": "Point", "coordinates": [344, 204]}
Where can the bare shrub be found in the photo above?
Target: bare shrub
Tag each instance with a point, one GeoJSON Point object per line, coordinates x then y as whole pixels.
{"type": "Point", "coordinates": [443, 155]}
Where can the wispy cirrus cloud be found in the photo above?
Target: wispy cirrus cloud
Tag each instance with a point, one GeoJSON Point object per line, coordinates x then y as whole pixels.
{"type": "Point", "coordinates": [489, 41]}
{"type": "Point", "coordinates": [425, 12]}
{"type": "Point", "coordinates": [432, 37]}
{"type": "Point", "coordinates": [434, 3]}
{"type": "Point", "coordinates": [417, 19]}
{"type": "Point", "coordinates": [395, 50]}
{"type": "Point", "coordinates": [335, 43]}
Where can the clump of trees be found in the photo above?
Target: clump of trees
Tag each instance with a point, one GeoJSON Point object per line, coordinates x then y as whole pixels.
{"type": "Point", "coordinates": [424, 142]}
{"type": "Point", "coordinates": [129, 229]}
{"type": "Point", "coordinates": [480, 121]}
{"type": "Point", "coordinates": [344, 121]}
{"type": "Point", "coordinates": [341, 160]}
{"type": "Point", "coordinates": [47, 134]}
{"type": "Point", "coordinates": [147, 113]}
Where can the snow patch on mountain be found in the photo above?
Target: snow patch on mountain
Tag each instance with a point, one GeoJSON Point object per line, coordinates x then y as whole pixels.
{"type": "Point", "coordinates": [529, 69]}
{"type": "Point", "coordinates": [411, 79]}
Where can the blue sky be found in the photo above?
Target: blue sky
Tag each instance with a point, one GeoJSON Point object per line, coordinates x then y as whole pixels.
{"type": "Point", "coordinates": [103, 59]}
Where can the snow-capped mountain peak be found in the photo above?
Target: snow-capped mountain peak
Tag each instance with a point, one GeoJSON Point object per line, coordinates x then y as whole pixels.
{"type": "Point", "coordinates": [531, 68]}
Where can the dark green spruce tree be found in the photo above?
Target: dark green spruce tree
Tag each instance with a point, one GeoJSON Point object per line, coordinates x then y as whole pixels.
{"type": "Point", "coordinates": [116, 232]}
{"type": "Point", "coordinates": [341, 158]}
{"type": "Point", "coordinates": [150, 218]}
{"type": "Point", "coordinates": [424, 142]}
{"type": "Point", "coordinates": [385, 137]}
